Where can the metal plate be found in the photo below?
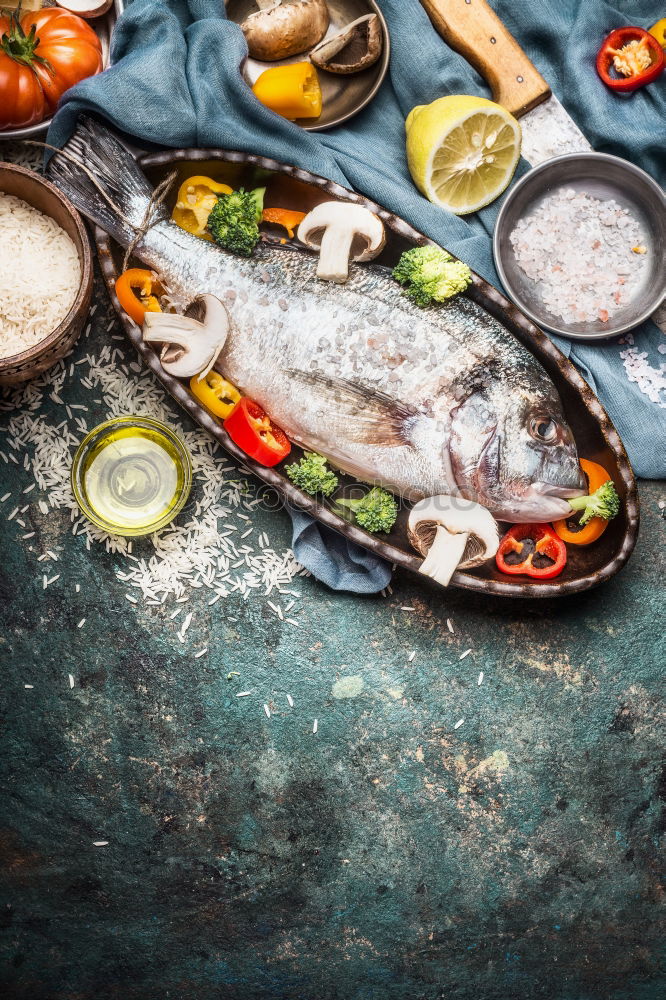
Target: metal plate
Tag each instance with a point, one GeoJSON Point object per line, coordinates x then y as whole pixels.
{"type": "Point", "coordinates": [343, 96]}
{"type": "Point", "coordinates": [595, 435]}
{"type": "Point", "coordinates": [103, 26]}
{"type": "Point", "coordinates": [604, 177]}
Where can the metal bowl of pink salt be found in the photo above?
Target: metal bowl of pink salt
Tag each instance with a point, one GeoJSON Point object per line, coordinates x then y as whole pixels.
{"type": "Point", "coordinates": [580, 245]}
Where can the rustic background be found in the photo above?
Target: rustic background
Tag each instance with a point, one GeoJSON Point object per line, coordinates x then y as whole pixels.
{"type": "Point", "coordinates": [389, 854]}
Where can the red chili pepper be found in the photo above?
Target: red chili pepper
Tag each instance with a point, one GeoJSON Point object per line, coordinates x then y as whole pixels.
{"type": "Point", "coordinates": [635, 56]}
{"type": "Point", "coordinates": [532, 549]}
{"type": "Point", "coordinates": [253, 431]}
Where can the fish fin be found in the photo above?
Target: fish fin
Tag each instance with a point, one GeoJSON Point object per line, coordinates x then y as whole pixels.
{"type": "Point", "coordinates": [365, 416]}
{"type": "Point", "coordinates": [117, 174]}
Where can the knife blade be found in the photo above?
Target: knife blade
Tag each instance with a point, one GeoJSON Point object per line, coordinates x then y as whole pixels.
{"type": "Point", "coordinates": [473, 29]}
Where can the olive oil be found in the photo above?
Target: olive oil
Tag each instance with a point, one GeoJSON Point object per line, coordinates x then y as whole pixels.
{"type": "Point", "coordinates": [131, 475]}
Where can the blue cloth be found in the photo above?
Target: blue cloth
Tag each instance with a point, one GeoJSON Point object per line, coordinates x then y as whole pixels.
{"type": "Point", "coordinates": [176, 81]}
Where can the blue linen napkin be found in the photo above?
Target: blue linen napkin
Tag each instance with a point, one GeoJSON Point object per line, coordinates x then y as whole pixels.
{"type": "Point", "coordinates": [176, 81]}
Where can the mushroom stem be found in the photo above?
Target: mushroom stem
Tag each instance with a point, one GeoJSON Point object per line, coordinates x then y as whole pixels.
{"type": "Point", "coordinates": [444, 555]}
{"type": "Point", "coordinates": [334, 254]}
{"type": "Point", "coordinates": [451, 533]}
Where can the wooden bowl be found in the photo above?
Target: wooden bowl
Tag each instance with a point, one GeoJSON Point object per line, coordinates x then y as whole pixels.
{"type": "Point", "coordinates": [46, 198]}
{"type": "Point", "coordinates": [597, 439]}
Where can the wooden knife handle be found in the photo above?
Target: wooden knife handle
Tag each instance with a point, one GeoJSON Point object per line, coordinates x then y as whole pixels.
{"type": "Point", "coordinates": [473, 29]}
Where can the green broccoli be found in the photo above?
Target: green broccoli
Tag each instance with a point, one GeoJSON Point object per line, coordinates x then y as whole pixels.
{"type": "Point", "coordinates": [376, 511]}
{"type": "Point", "coordinates": [604, 503]}
{"type": "Point", "coordinates": [431, 275]}
{"type": "Point", "coordinates": [233, 221]}
{"type": "Point", "coordinates": [312, 475]}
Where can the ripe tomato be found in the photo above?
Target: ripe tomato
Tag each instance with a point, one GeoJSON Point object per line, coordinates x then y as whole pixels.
{"type": "Point", "coordinates": [42, 54]}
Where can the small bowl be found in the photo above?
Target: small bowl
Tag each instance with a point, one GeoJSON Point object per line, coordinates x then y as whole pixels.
{"type": "Point", "coordinates": [141, 489]}
{"type": "Point", "coordinates": [343, 95]}
{"type": "Point", "coordinates": [42, 195]}
{"type": "Point", "coordinates": [604, 177]}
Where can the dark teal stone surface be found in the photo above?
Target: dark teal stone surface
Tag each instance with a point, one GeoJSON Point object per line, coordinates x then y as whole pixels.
{"type": "Point", "coordinates": [389, 856]}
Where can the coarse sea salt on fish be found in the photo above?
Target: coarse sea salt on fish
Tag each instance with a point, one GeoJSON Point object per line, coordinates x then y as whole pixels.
{"type": "Point", "coordinates": [586, 255]}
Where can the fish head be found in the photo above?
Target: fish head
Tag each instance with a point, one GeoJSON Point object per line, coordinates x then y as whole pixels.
{"type": "Point", "coordinates": [516, 456]}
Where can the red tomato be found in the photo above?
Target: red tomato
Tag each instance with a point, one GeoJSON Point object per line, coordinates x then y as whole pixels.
{"type": "Point", "coordinates": [42, 55]}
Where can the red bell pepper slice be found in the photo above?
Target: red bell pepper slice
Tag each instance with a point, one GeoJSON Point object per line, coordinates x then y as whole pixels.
{"type": "Point", "coordinates": [523, 548]}
{"type": "Point", "coordinates": [619, 46]}
{"type": "Point", "coordinates": [251, 429]}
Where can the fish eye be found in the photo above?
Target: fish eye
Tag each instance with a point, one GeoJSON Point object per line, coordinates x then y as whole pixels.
{"type": "Point", "coordinates": [543, 428]}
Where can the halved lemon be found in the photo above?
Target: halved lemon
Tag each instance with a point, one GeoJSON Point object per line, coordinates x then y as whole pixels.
{"type": "Point", "coordinates": [462, 151]}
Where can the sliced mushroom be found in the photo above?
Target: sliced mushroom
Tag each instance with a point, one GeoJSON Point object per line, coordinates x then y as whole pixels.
{"type": "Point", "coordinates": [452, 533]}
{"type": "Point", "coordinates": [353, 49]}
{"type": "Point", "coordinates": [284, 28]}
{"type": "Point", "coordinates": [341, 231]}
{"type": "Point", "coordinates": [192, 343]}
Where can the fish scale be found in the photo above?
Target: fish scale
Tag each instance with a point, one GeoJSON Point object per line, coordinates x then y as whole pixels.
{"type": "Point", "coordinates": [423, 401]}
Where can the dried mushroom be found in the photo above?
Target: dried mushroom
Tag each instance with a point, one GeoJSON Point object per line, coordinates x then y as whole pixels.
{"type": "Point", "coordinates": [353, 49]}
{"type": "Point", "coordinates": [283, 28]}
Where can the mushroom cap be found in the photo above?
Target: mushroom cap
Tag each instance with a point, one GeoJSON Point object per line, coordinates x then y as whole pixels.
{"type": "Point", "coordinates": [458, 516]}
{"type": "Point", "coordinates": [353, 49]}
{"type": "Point", "coordinates": [368, 228]}
{"type": "Point", "coordinates": [285, 29]}
{"type": "Point", "coordinates": [87, 9]}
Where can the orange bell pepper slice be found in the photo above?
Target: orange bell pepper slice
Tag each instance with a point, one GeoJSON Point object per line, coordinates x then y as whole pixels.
{"type": "Point", "coordinates": [567, 528]}
{"type": "Point", "coordinates": [141, 281]}
{"type": "Point", "coordinates": [288, 218]}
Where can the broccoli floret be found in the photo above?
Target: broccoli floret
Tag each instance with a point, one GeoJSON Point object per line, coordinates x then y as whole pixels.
{"type": "Point", "coordinates": [376, 511]}
{"type": "Point", "coordinates": [312, 475]}
{"type": "Point", "coordinates": [604, 503]}
{"type": "Point", "coordinates": [430, 274]}
{"type": "Point", "coordinates": [233, 221]}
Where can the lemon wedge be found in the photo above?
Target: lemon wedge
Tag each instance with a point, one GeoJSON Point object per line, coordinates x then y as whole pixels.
{"type": "Point", "coordinates": [462, 151]}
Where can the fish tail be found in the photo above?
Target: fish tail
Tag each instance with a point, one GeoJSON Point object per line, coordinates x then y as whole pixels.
{"type": "Point", "coordinates": [117, 198]}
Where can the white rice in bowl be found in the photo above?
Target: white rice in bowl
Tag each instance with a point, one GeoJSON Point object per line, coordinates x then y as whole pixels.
{"type": "Point", "coordinates": [40, 275]}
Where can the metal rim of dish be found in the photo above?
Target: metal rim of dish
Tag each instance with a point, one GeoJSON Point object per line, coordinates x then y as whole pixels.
{"type": "Point", "coordinates": [499, 249]}
{"type": "Point", "coordinates": [137, 421]}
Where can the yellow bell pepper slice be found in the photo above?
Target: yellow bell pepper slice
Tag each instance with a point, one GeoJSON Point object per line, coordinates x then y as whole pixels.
{"type": "Point", "coordinates": [658, 30]}
{"type": "Point", "coordinates": [196, 199]}
{"type": "Point", "coordinates": [216, 394]}
{"type": "Point", "coordinates": [292, 91]}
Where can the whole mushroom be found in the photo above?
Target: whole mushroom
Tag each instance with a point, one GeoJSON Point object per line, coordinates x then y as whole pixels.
{"type": "Point", "coordinates": [451, 533]}
{"type": "Point", "coordinates": [283, 28]}
{"type": "Point", "coordinates": [190, 346]}
{"type": "Point", "coordinates": [341, 231]}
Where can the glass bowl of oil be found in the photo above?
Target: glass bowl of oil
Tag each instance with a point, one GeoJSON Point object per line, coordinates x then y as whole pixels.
{"type": "Point", "coordinates": [131, 475]}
